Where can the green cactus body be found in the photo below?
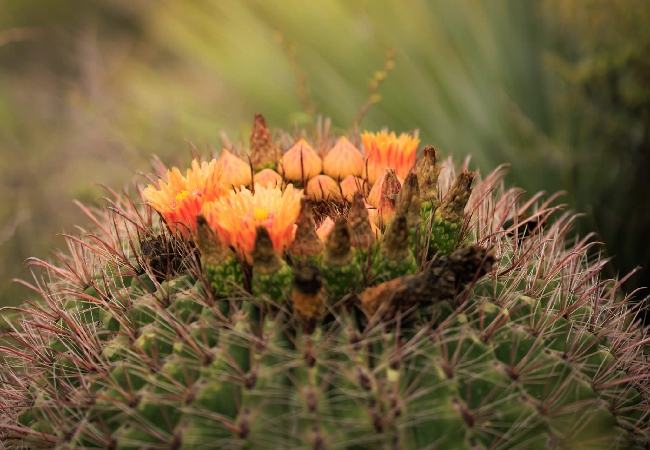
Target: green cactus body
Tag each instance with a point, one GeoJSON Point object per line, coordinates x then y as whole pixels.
{"type": "Point", "coordinates": [384, 269]}
{"type": "Point", "coordinates": [275, 285]}
{"type": "Point", "coordinates": [497, 344]}
{"type": "Point", "coordinates": [226, 278]}
{"type": "Point", "coordinates": [444, 235]}
{"type": "Point", "coordinates": [341, 280]}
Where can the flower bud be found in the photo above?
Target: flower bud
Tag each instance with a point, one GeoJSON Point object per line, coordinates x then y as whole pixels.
{"type": "Point", "coordinates": [325, 229]}
{"type": "Point", "coordinates": [342, 160]}
{"type": "Point", "coordinates": [393, 184]}
{"type": "Point", "coordinates": [351, 185]}
{"type": "Point", "coordinates": [322, 187]}
{"type": "Point", "coordinates": [384, 196]}
{"type": "Point", "coordinates": [234, 172]}
{"type": "Point", "coordinates": [266, 176]}
{"type": "Point", "coordinates": [300, 162]}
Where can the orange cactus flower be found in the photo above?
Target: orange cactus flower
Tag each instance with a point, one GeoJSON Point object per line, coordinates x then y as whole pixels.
{"type": "Point", "coordinates": [387, 151]}
{"type": "Point", "coordinates": [322, 187]}
{"type": "Point", "coordinates": [235, 172]}
{"type": "Point", "coordinates": [180, 198]}
{"type": "Point", "coordinates": [236, 215]}
{"type": "Point", "coordinates": [343, 159]}
{"type": "Point", "coordinates": [301, 162]}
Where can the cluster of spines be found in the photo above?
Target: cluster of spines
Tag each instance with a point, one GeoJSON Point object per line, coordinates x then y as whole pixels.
{"type": "Point", "coordinates": [156, 359]}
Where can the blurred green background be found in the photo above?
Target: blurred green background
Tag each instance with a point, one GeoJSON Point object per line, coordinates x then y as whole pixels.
{"type": "Point", "coordinates": [90, 89]}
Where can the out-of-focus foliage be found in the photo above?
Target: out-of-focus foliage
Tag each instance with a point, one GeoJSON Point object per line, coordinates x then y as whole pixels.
{"type": "Point", "coordinates": [602, 56]}
{"type": "Point", "coordinates": [108, 82]}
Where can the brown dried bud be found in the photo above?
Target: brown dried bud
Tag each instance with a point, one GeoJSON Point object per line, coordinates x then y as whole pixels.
{"type": "Point", "coordinates": [439, 282]}
{"type": "Point", "coordinates": [395, 244]}
{"type": "Point", "coordinates": [467, 263]}
{"type": "Point", "coordinates": [306, 242]}
{"type": "Point", "coordinates": [428, 171]}
{"type": "Point", "coordinates": [265, 260]}
{"type": "Point", "coordinates": [408, 200]}
{"type": "Point", "coordinates": [453, 206]}
{"type": "Point", "coordinates": [264, 152]}
{"type": "Point", "coordinates": [359, 220]}
{"type": "Point", "coordinates": [213, 251]}
{"type": "Point", "coordinates": [338, 248]}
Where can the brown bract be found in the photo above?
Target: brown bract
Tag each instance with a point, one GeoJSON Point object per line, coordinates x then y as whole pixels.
{"type": "Point", "coordinates": [265, 260]}
{"type": "Point", "coordinates": [359, 221]}
{"type": "Point", "coordinates": [428, 171]}
{"type": "Point", "coordinates": [306, 242]}
{"type": "Point", "coordinates": [338, 248]}
{"type": "Point", "coordinates": [213, 251]}
{"type": "Point", "coordinates": [408, 200]}
{"type": "Point", "coordinates": [395, 244]}
{"type": "Point", "coordinates": [453, 206]}
{"type": "Point", "coordinates": [264, 152]}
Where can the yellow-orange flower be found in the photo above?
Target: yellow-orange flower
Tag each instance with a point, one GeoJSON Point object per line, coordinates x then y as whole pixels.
{"type": "Point", "coordinates": [387, 151]}
{"type": "Point", "coordinates": [236, 215]}
{"type": "Point", "coordinates": [180, 198]}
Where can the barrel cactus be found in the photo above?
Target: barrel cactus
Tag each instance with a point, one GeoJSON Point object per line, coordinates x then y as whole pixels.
{"type": "Point", "coordinates": [308, 295]}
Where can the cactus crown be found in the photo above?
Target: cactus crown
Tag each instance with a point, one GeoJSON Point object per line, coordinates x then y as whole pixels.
{"type": "Point", "coordinates": [422, 313]}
